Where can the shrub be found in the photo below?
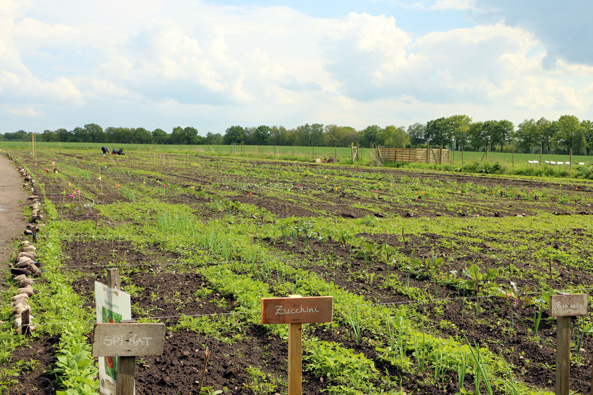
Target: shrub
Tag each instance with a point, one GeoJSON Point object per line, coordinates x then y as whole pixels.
{"type": "Point", "coordinates": [585, 172]}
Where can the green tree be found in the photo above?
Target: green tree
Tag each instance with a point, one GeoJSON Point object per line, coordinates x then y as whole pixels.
{"type": "Point", "coordinates": [459, 125]}
{"type": "Point", "coordinates": [64, 135]}
{"type": "Point", "coordinates": [261, 135]}
{"type": "Point", "coordinates": [338, 136]}
{"type": "Point", "coordinates": [546, 131]}
{"type": "Point", "coordinates": [234, 135]}
{"type": "Point", "coordinates": [214, 138]}
{"type": "Point", "coordinates": [279, 136]}
{"type": "Point", "coordinates": [369, 135]}
{"type": "Point", "coordinates": [477, 135]}
{"type": "Point", "coordinates": [393, 136]}
{"type": "Point", "coordinates": [159, 136]}
{"type": "Point", "coordinates": [191, 136]}
{"type": "Point", "coordinates": [498, 132]}
{"type": "Point", "coordinates": [527, 135]}
{"type": "Point", "coordinates": [80, 135]}
{"type": "Point", "coordinates": [416, 132]}
{"type": "Point", "coordinates": [588, 133]}
{"type": "Point", "coordinates": [20, 135]}
{"type": "Point", "coordinates": [569, 134]}
{"type": "Point", "coordinates": [95, 133]}
{"type": "Point", "coordinates": [48, 136]}
{"type": "Point", "coordinates": [310, 135]}
{"type": "Point", "coordinates": [439, 132]}
{"type": "Point", "coordinates": [142, 136]}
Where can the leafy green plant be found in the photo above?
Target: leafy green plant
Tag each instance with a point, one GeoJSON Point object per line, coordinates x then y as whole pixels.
{"type": "Point", "coordinates": [354, 321]}
{"type": "Point", "coordinates": [480, 281]}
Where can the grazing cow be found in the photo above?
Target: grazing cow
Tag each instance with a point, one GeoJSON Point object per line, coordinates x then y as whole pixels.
{"type": "Point", "coordinates": [105, 150]}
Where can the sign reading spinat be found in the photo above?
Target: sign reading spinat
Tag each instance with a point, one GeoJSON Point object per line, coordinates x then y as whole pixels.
{"type": "Point", "coordinates": [309, 310]}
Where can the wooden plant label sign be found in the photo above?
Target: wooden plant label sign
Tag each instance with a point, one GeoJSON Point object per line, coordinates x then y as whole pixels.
{"type": "Point", "coordinates": [314, 309]}
{"type": "Point", "coordinates": [128, 340]}
{"type": "Point", "coordinates": [568, 305]}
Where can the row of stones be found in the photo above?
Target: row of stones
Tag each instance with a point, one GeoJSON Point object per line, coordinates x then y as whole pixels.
{"type": "Point", "coordinates": [26, 266]}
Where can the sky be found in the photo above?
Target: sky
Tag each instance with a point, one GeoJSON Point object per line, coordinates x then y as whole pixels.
{"type": "Point", "coordinates": [212, 64]}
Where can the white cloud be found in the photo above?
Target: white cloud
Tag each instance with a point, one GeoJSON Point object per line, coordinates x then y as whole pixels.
{"type": "Point", "coordinates": [250, 65]}
{"type": "Point", "coordinates": [453, 5]}
{"type": "Point", "coordinates": [28, 112]}
{"type": "Point", "coordinates": [564, 28]}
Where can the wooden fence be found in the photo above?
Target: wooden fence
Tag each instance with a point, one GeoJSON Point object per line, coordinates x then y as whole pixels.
{"type": "Point", "coordinates": [414, 155]}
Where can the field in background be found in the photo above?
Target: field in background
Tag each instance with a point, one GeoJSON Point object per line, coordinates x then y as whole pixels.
{"type": "Point", "coordinates": [343, 154]}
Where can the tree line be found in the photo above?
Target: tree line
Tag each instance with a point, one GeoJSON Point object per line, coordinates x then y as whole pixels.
{"type": "Point", "coordinates": [457, 132]}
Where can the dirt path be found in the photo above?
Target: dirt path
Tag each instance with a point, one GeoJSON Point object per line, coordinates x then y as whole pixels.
{"type": "Point", "coordinates": [12, 200]}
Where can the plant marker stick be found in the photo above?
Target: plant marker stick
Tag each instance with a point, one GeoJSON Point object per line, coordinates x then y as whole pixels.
{"type": "Point", "coordinates": [563, 356]}
{"type": "Point", "coordinates": [296, 310]}
{"type": "Point", "coordinates": [564, 307]}
{"type": "Point", "coordinates": [295, 357]}
{"type": "Point", "coordinates": [25, 322]}
{"type": "Point", "coordinates": [125, 365]}
{"type": "Point", "coordinates": [206, 356]}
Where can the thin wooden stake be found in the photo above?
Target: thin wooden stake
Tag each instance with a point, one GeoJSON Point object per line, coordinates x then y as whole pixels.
{"type": "Point", "coordinates": [295, 357]}
{"type": "Point", "coordinates": [563, 356]}
{"type": "Point", "coordinates": [125, 365]}
{"type": "Point", "coordinates": [26, 322]}
{"type": "Point", "coordinates": [113, 279]}
{"type": "Point", "coordinates": [125, 375]}
{"type": "Point", "coordinates": [206, 356]}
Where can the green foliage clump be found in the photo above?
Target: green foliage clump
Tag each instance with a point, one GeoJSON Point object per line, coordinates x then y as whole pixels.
{"type": "Point", "coordinates": [484, 168]}
{"type": "Point", "coordinates": [585, 172]}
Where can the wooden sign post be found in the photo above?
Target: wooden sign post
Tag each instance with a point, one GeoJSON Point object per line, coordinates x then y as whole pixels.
{"type": "Point", "coordinates": [113, 306]}
{"type": "Point", "coordinates": [127, 341]}
{"type": "Point", "coordinates": [564, 307]}
{"type": "Point", "coordinates": [296, 311]}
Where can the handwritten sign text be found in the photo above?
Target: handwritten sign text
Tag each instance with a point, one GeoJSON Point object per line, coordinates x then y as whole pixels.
{"type": "Point", "coordinates": [313, 309]}
{"type": "Point", "coordinates": [568, 305]}
{"type": "Point", "coordinates": [128, 339]}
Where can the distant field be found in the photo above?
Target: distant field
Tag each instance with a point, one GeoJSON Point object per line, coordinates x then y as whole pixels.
{"type": "Point", "coordinates": [342, 154]}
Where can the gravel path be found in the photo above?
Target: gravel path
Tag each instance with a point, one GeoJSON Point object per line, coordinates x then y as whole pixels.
{"type": "Point", "coordinates": [12, 199]}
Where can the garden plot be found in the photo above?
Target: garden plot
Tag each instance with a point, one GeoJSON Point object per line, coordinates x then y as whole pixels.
{"type": "Point", "coordinates": [423, 267]}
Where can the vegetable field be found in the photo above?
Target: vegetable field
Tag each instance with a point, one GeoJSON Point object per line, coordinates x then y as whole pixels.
{"type": "Point", "coordinates": [441, 281]}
